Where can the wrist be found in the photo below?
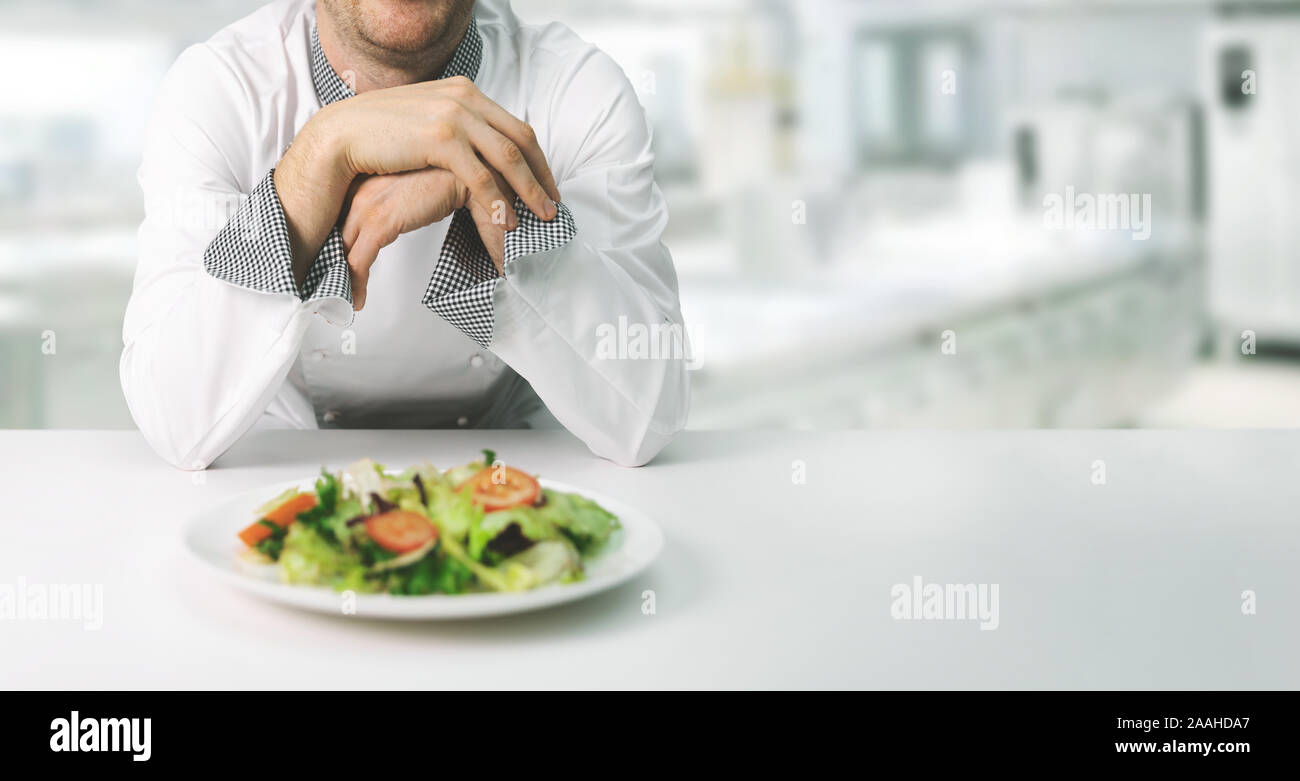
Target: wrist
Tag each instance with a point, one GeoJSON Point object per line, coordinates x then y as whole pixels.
{"type": "Point", "coordinates": [311, 182]}
{"type": "Point", "coordinates": [320, 154]}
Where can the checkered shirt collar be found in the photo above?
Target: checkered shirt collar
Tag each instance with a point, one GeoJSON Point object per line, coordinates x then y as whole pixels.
{"type": "Point", "coordinates": [332, 88]}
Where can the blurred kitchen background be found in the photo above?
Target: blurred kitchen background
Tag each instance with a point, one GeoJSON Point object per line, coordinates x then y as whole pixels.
{"type": "Point", "coordinates": [861, 197]}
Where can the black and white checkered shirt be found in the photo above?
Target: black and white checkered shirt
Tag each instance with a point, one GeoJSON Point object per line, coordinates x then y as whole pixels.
{"type": "Point", "coordinates": [253, 249]}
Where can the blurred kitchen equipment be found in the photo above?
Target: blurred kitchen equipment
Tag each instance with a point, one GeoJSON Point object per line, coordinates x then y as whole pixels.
{"type": "Point", "coordinates": [1253, 108]}
{"type": "Point", "coordinates": [1096, 145]}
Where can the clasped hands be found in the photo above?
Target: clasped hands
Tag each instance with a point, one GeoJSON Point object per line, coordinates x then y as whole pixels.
{"type": "Point", "coordinates": [398, 159]}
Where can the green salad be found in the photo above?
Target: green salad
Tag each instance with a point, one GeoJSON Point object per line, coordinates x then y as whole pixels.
{"type": "Point", "coordinates": [479, 527]}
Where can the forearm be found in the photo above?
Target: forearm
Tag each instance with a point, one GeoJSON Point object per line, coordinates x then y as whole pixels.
{"type": "Point", "coordinates": [215, 319]}
{"type": "Point", "coordinates": [198, 370]}
{"type": "Point", "coordinates": [563, 337]}
{"type": "Point", "coordinates": [208, 343]}
{"type": "Point", "coordinates": [312, 182]}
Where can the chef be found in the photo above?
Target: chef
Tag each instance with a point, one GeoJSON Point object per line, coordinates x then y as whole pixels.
{"type": "Point", "coordinates": [398, 213]}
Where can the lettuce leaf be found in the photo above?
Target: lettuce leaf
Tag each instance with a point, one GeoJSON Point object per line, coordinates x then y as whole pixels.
{"type": "Point", "coordinates": [545, 562]}
{"type": "Point", "coordinates": [588, 524]}
{"type": "Point", "coordinates": [308, 558]}
{"type": "Point", "coordinates": [433, 574]}
{"type": "Point", "coordinates": [453, 512]}
{"type": "Point", "coordinates": [531, 525]}
{"type": "Point", "coordinates": [363, 478]}
{"type": "Point", "coordinates": [459, 474]}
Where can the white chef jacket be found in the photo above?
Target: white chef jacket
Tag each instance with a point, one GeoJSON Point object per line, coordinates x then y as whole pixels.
{"type": "Point", "coordinates": [209, 355]}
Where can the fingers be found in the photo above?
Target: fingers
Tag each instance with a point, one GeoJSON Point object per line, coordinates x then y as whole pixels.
{"type": "Point", "coordinates": [378, 209]}
{"type": "Point", "coordinates": [481, 182]}
{"type": "Point", "coordinates": [352, 222]}
{"type": "Point", "coordinates": [521, 135]}
{"type": "Point", "coordinates": [437, 186]}
{"type": "Point", "coordinates": [508, 160]}
{"type": "Point", "coordinates": [491, 225]}
{"type": "Point", "coordinates": [499, 214]}
{"type": "Point", "coordinates": [494, 239]}
{"type": "Point", "coordinates": [361, 255]}
{"type": "Point", "coordinates": [360, 243]}
{"type": "Point", "coordinates": [516, 149]}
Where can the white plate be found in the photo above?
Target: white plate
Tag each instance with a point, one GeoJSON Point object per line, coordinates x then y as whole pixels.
{"type": "Point", "coordinates": [210, 537]}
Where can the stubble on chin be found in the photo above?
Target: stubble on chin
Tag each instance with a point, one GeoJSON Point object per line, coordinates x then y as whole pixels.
{"type": "Point", "coordinates": [398, 33]}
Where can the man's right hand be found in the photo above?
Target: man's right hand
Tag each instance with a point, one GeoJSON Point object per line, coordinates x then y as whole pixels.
{"type": "Point", "coordinates": [446, 124]}
{"type": "Point", "coordinates": [381, 208]}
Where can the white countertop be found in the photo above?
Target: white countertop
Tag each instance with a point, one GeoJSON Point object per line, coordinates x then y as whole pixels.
{"type": "Point", "coordinates": [763, 583]}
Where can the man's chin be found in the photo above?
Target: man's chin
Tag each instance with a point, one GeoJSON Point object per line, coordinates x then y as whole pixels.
{"type": "Point", "coordinates": [409, 37]}
{"type": "Point", "coordinates": [402, 27]}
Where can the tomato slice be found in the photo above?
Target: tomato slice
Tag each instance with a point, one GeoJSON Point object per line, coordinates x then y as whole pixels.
{"type": "Point", "coordinates": [498, 488]}
{"type": "Point", "coordinates": [281, 516]}
{"type": "Point", "coordinates": [400, 531]}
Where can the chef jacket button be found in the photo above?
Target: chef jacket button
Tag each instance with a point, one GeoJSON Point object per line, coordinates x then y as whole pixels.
{"type": "Point", "coordinates": [462, 421]}
{"type": "Point", "coordinates": [319, 355]}
{"type": "Point", "coordinates": [476, 361]}
{"type": "Point", "coordinates": [330, 415]}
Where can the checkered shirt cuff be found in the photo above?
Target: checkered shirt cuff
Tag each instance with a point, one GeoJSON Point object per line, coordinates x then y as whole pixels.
{"type": "Point", "coordinates": [465, 278]}
{"type": "Point", "coordinates": [253, 251]}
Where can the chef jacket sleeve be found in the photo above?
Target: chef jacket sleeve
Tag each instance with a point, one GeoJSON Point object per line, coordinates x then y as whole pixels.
{"type": "Point", "coordinates": [588, 311]}
{"type": "Point", "coordinates": [205, 351]}
{"type": "Point", "coordinates": [253, 251]}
